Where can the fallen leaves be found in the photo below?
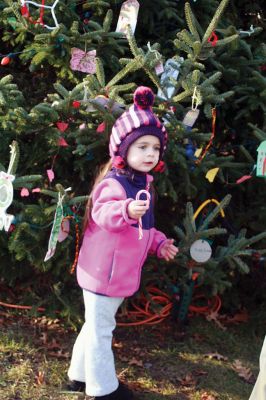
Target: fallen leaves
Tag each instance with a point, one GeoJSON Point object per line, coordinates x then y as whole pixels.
{"type": "Point", "coordinates": [243, 372]}
{"type": "Point", "coordinates": [188, 380]}
{"type": "Point", "coordinates": [207, 396]}
{"type": "Point", "coordinates": [39, 378]}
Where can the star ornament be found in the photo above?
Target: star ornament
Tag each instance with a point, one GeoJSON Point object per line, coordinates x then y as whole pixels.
{"type": "Point", "coordinates": [83, 61]}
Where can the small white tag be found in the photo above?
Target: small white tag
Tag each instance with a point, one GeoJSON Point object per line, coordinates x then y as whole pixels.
{"type": "Point", "coordinates": [191, 117]}
{"type": "Point", "coordinates": [200, 251]}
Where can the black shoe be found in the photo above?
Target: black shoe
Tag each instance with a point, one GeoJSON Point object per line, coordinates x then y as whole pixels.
{"type": "Point", "coordinates": [74, 386]}
{"type": "Point", "coordinates": [121, 393]}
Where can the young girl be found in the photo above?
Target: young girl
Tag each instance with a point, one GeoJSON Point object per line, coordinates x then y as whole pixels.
{"type": "Point", "coordinates": [119, 235]}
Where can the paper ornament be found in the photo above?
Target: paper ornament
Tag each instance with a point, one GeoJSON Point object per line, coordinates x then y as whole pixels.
{"type": "Point", "coordinates": [62, 126]}
{"type": "Point", "coordinates": [261, 160]}
{"type": "Point", "coordinates": [50, 174]}
{"type": "Point", "coordinates": [24, 192]}
{"type": "Point", "coordinates": [128, 16]}
{"type": "Point", "coordinates": [101, 128]}
{"type": "Point", "coordinates": [171, 70]}
{"type": "Point", "coordinates": [198, 152]}
{"type": "Point", "coordinates": [190, 118]}
{"type": "Point", "coordinates": [200, 251]}
{"type": "Point", "coordinates": [243, 178]}
{"type": "Point", "coordinates": [55, 229]}
{"type": "Point", "coordinates": [83, 61]}
{"type": "Point", "coordinates": [6, 198]}
{"type": "Point", "coordinates": [62, 142]}
{"type": "Point", "coordinates": [213, 39]}
{"type": "Point", "coordinates": [211, 174]}
{"type": "Point", "coordinates": [64, 230]}
{"type": "Point", "coordinates": [108, 104]}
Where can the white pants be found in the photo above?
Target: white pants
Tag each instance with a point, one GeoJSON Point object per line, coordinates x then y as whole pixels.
{"type": "Point", "coordinates": [92, 359]}
{"type": "Point", "coordinates": [259, 390]}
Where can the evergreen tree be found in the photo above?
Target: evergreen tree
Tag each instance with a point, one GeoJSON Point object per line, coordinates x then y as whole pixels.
{"type": "Point", "coordinates": [61, 118]}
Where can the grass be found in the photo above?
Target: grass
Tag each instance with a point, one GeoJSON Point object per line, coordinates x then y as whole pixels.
{"type": "Point", "coordinates": [158, 362]}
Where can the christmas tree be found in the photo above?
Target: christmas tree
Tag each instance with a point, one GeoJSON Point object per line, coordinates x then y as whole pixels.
{"type": "Point", "coordinates": [69, 69]}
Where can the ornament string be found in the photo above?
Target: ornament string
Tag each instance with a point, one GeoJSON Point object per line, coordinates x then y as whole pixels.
{"type": "Point", "coordinates": [211, 139]}
{"type": "Point", "coordinates": [140, 220]}
{"type": "Point", "coordinates": [69, 217]}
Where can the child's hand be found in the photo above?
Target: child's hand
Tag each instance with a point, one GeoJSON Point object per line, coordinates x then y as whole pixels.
{"type": "Point", "coordinates": [169, 250]}
{"type": "Point", "coordinates": [137, 208]}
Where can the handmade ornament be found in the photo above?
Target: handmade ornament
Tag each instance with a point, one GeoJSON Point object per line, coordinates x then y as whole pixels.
{"type": "Point", "coordinates": [198, 152]}
{"type": "Point", "coordinates": [261, 160]}
{"type": "Point", "coordinates": [50, 174]}
{"type": "Point", "coordinates": [192, 115]}
{"type": "Point", "coordinates": [159, 69]}
{"type": "Point", "coordinates": [62, 142]}
{"type": "Point", "coordinates": [200, 251]}
{"type": "Point", "coordinates": [190, 118]}
{"type": "Point", "coordinates": [13, 22]}
{"type": "Point", "coordinates": [6, 198]}
{"type": "Point", "coordinates": [247, 33]}
{"type": "Point", "coordinates": [26, 13]}
{"type": "Point", "coordinates": [24, 192]}
{"type": "Point", "coordinates": [6, 189]}
{"type": "Point", "coordinates": [211, 174]}
{"type": "Point", "coordinates": [128, 16]}
{"type": "Point", "coordinates": [243, 178]}
{"type": "Point", "coordinates": [62, 126]}
{"type": "Point", "coordinates": [101, 128]}
{"type": "Point", "coordinates": [64, 230]}
{"type": "Point", "coordinates": [171, 70]}
{"type": "Point", "coordinates": [211, 139]}
{"type": "Point", "coordinates": [108, 104]}
{"type": "Point", "coordinates": [213, 39]}
{"type": "Point", "coordinates": [55, 229]}
{"type": "Point", "coordinates": [83, 61]}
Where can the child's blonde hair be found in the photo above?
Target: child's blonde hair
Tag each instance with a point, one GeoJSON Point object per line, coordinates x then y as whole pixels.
{"type": "Point", "coordinates": [103, 171]}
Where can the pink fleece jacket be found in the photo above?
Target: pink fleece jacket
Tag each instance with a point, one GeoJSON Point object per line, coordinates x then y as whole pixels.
{"type": "Point", "coordinates": [111, 256]}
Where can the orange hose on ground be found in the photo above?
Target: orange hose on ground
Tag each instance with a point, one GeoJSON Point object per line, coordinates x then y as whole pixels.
{"type": "Point", "coordinates": [141, 314]}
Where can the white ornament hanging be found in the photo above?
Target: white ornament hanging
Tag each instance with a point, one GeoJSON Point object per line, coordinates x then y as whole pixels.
{"type": "Point", "coordinates": [6, 198]}
{"type": "Point", "coordinates": [200, 251]}
{"type": "Point", "coordinates": [171, 70]}
{"type": "Point", "coordinates": [128, 16]}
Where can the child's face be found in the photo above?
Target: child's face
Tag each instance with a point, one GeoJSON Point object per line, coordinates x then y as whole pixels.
{"type": "Point", "coordinates": [143, 154]}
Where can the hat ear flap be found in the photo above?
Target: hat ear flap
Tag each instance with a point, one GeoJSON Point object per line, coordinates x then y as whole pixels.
{"type": "Point", "coordinates": [118, 162]}
{"type": "Point", "coordinates": [160, 167]}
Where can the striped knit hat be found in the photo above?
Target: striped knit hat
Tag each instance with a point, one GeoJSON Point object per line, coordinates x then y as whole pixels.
{"type": "Point", "coordinates": [137, 121]}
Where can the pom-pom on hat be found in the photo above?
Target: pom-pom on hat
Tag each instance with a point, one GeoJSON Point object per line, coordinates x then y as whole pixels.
{"type": "Point", "coordinates": [137, 121]}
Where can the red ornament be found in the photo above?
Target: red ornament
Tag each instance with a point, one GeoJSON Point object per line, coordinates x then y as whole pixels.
{"type": "Point", "coordinates": [62, 126]}
{"type": "Point", "coordinates": [213, 39]}
{"type": "Point", "coordinates": [101, 127]}
{"type": "Point", "coordinates": [5, 60]}
{"type": "Point", "coordinates": [76, 104]}
{"type": "Point", "coordinates": [25, 11]}
{"type": "Point", "coordinates": [62, 142]}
